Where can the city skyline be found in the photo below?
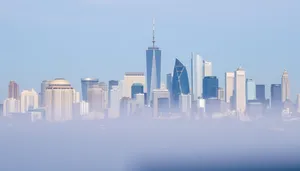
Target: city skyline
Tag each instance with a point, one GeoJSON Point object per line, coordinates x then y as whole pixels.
{"type": "Point", "coordinates": [38, 38]}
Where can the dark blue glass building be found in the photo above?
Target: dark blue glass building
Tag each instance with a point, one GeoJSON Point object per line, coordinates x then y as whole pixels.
{"type": "Point", "coordinates": [169, 82]}
{"type": "Point", "coordinates": [260, 92]}
{"type": "Point", "coordinates": [180, 82]}
{"type": "Point", "coordinates": [276, 95]}
{"type": "Point", "coordinates": [210, 87]}
{"type": "Point", "coordinates": [111, 83]}
{"type": "Point", "coordinates": [136, 88]}
{"type": "Point", "coordinates": [153, 53]}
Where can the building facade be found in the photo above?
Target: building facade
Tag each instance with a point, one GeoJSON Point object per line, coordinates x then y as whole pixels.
{"type": "Point", "coordinates": [197, 76]}
{"type": "Point", "coordinates": [76, 96]}
{"type": "Point", "coordinates": [85, 84]}
{"type": "Point", "coordinates": [260, 92]}
{"type": "Point", "coordinates": [13, 90]}
{"type": "Point", "coordinates": [180, 83]}
{"type": "Point", "coordinates": [276, 99]}
{"type": "Point", "coordinates": [10, 106]}
{"type": "Point", "coordinates": [240, 90]}
{"type": "Point", "coordinates": [250, 89]}
{"type": "Point", "coordinates": [210, 87]}
{"type": "Point", "coordinates": [207, 68]}
{"type": "Point", "coordinates": [44, 86]}
{"type": "Point", "coordinates": [161, 102]}
{"type": "Point", "coordinates": [96, 99]}
{"type": "Point", "coordinates": [229, 86]}
{"type": "Point", "coordinates": [136, 88]}
{"type": "Point", "coordinates": [221, 94]}
{"type": "Point", "coordinates": [169, 82]}
{"type": "Point", "coordinates": [129, 79]}
{"type": "Point", "coordinates": [285, 86]}
{"type": "Point", "coordinates": [111, 83]}
{"type": "Point", "coordinates": [59, 101]}
{"type": "Point", "coordinates": [114, 110]}
{"type": "Point", "coordinates": [29, 100]}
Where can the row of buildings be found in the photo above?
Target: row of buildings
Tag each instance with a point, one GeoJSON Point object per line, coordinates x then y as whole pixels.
{"type": "Point", "coordinates": [185, 93]}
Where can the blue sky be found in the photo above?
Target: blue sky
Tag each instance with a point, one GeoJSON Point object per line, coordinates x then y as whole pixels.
{"type": "Point", "coordinates": [105, 38]}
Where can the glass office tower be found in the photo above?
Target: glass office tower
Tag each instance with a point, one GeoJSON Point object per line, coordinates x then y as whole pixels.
{"type": "Point", "coordinates": [260, 92]}
{"type": "Point", "coordinates": [210, 87]}
{"type": "Point", "coordinates": [153, 69]}
{"type": "Point", "coordinates": [180, 83]}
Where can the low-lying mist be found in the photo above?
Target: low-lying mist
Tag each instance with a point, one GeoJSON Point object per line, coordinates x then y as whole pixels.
{"type": "Point", "coordinates": [149, 145]}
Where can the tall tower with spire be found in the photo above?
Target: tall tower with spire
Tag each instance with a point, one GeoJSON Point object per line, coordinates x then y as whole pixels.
{"type": "Point", "coordinates": [285, 86]}
{"type": "Point", "coordinates": [153, 67]}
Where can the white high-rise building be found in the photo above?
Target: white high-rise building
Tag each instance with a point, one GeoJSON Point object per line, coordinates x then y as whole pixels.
{"type": "Point", "coordinates": [29, 100]}
{"type": "Point", "coordinates": [250, 89]}
{"type": "Point", "coordinates": [221, 94]}
{"type": "Point", "coordinates": [59, 100]}
{"type": "Point", "coordinates": [161, 100]}
{"type": "Point", "coordinates": [11, 105]}
{"type": "Point", "coordinates": [76, 96]}
{"type": "Point", "coordinates": [285, 86]}
{"type": "Point", "coordinates": [229, 86]}
{"type": "Point", "coordinates": [185, 102]}
{"type": "Point", "coordinates": [81, 108]}
{"type": "Point", "coordinates": [131, 78]}
{"type": "Point", "coordinates": [196, 76]}
{"type": "Point", "coordinates": [240, 90]}
{"type": "Point", "coordinates": [114, 110]}
{"type": "Point", "coordinates": [207, 68]}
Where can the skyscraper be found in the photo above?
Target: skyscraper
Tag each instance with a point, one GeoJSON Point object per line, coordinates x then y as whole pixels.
{"type": "Point", "coordinates": [11, 105]}
{"type": "Point", "coordinates": [13, 90]}
{"type": "Point", "coordinates": [114, 110]}
{"type": "Point", "coordinates": [285, 86]}
{"type": "Point", "coordinates": [85, 84]}
{"type": "Point", "coordinates": [221, 94]}
{"type": "Point", "coordinates": [44, 85]}
{"type": "Point", "coordinates": [161, 102]}
{"type": "Point", "coordinates": [29, 100]}
{"type": "Point", "coordinates": [169, 82]}
{"type": "Point", "coordinates": [260, 92]}
{"type": "Point", "coordinates": [197, 76]}
{"type": "Point", "coordinates": [229, 86]}
{"type": "Point", "coordinates": [153, 67]}
{"type": "Point", "coordinates": [59, 100]}
{"type": "Point", "coordinates": [76, 96]}
{"type": "Point", "coordinates": [276, 99]}
{"type": "Point", "coordinates": [136, 88]}
{"type": "Point", "coordinates": [131, 78]}
{"type": "Point", "coordinates": [240, 90]}
{"type": "Point", "coordinates": [250, 90]}
{"type": "Point", "coordinates": [207, 68]}
{"type": "Point", "coordinates": [210, 87]}
{"type": "Point", "coordinates": [185, 103]}
{"type": "Point", "coordinates": [104, 87]}
{"type": "Point", "coordinates": [111, 83]}
{"type": "Point", "coordinates": [180, 82]}
{"type": "Point", "coordinates": [96, 99]}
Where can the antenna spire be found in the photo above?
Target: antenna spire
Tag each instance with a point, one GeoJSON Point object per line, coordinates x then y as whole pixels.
{"type": "Point", "coordinates": [153, 29]}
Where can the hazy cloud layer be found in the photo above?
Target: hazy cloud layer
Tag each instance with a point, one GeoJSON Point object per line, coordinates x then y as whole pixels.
{"type": "Point", "coordinates": [123, 145]}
